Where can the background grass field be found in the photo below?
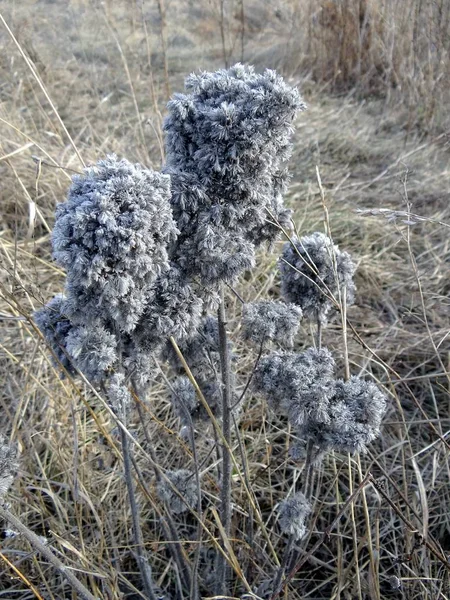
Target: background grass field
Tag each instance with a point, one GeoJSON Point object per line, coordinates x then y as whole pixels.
{"type": "Point", "coordinates": [79, 79]}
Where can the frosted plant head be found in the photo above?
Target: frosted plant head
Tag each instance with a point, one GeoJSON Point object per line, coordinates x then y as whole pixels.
{"type": "Point", "coordinates": [358, 409]}
{"type": "Point", "coordinates": [270, 321]}
{"type": "Point", "coordinates": [228, 113]}
{"type": "Point", "coordinates": [186, 403]}
{"type": "Point", "coordinates": [313, 270]}
{"type": "Point", "coordinates": [292, 515]}
{"type": "Point", "coordinates": [227, 142]}
{"type": "Point", "coordinates": [111, 236]}
{"type": "Point", "coordinates": [184, 399]}
{"type": "Point", "coordinates": [119, 397]}
{"type": "Point", "coordinates": [356, 412]}
{"type": "Point", "coordinates": [55, 327]}
{"type": "Point", "coordinates": [299, 384]}
{"type": "Point", "coordinates": [200, 350]}
{"type": "Point", "coordinates": [216, 253]}
{"type": "Point", "coordinates": [8, 467]}
{"type": "Point", "coordinates": [184, 481]}
{"type": "Point", "coordinates": [93, 350]}
{"type": "Point", "coordinates": [174, 309]}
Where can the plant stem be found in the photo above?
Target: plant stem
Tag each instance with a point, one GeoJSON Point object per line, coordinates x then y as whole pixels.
{"type": "Point", "coordinates": [225, 492]}
{"type": "Point", "coordinates": [47, 553]}
{"type": "Point", "coordinates": [142, 559]}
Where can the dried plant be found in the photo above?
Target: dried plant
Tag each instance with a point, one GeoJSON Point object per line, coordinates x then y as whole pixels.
{"type": "Point", "coordinates": [148, 256]}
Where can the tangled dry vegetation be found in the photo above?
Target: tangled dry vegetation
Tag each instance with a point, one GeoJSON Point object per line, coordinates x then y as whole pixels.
{"type": "Point", "coordinates": [84, 80]}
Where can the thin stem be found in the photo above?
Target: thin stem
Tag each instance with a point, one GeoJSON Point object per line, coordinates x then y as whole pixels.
{"type": "Point", "coordinates": [142, 559]}
{"type": "Point", "coordinates": [169, 529]}
{"type": "Point", "coordinates": [319, 334]}
{"type": "Point", "coordinates": [37, 543]}
{"type": "Point", "coordinates": [225, 492]}
{"type": "Point", "coordinates": [309, 469]}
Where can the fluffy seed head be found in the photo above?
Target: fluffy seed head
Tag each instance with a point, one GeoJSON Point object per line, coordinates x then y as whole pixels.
{"type": "Point", "coordinates": [93, 350]}
{"type": "Point", "coordinates": [111, 236]}
{"type": "Point", "coordinates": [298, 384]}
{"type": "Point", "coordinates": [227, 141]}
{"type": "Point", "coordinates": [185, 483]}
{"type": "Point", "coordinates": [173, 310]}
{"type": "Point", "coordinates": [312, 270]}
{"type": "Point", "coordinates": [356, 411]}
{"type": "Point", "coordinates": [55, 327]}
{"type": "Point", "coordinates": [270, 321]}
{"type": "Point", "coordinates": [292, 514]}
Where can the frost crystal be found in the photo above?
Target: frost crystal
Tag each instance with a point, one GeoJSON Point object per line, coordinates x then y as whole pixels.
{"type": "Point", "coordinates": [300, 384]}
{"type": "Point", "coordinates": [270, 321]}
{"type": "Point", "coordinates": [227, 141]}
{"type": "Point", "coordinates": [185, 483]}
{"type": "Point", "coordinates": [313, 270]}
{"type": "Point", "coordinates": [55, 327]}
{"type": "Point", "coordinates": [292, 514]}
{"type": "Point", "coordinates": [8, 467]}
{"type": "Point", "coordinates": [111, 235]}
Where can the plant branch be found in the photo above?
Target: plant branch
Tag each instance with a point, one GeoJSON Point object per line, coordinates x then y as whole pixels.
{"type": "Point", "coordinates": [37, 543]}
{"type": "Point", "coordinates": [225, 492]}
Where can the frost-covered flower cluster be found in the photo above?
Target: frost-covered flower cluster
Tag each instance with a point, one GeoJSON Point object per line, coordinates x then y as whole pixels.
{"type": "Point", "coordinates": [333, 414]}
{"type": "Point", "coordinates": [175, 309]}
{"type": "Point", "coordinates": [292, 515]}
{"type": "Point", "coordinates": [184, 481]}
{"type": "Point", "coordinates": [356, 411]}
{"type": "Point", "coordinates": [123, 297]}
{"type": "Point", "coordinates": [55, 327]}
{"type": "Point", "coordinates": [313, 270]}
{"type": "Point", "coordinates": [8, 467]}
{"type": "Point", "coordinates": [270, 321]}
{"type": "Point", "coordinates": [228, 140]}
{"type": "Point", "coordinates": [298, 384]}
{"type": "Point", "coordinates": [111, 236]}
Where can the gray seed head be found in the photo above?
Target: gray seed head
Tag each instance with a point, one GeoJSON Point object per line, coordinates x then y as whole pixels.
{"type": "Point", "coordinates": [292, 515]}
{"type": "Point", "coordinates": [311, 269]}
{"type": "Point", "coordinates": [184, 399]}
{"type": "Point", "coordinates": [356, 412]}
{"type": "Point", "coordinates": [55, 327]}
{"type": "Point", "coordinates": [8, 467]}
{"type": "Point", "coordinates": [299, 384]}
{"type": "Point", "coordinates": [227, 141]}
{"type": "Point", "coordinates": [186, 403]}
{"type": "Point", "coordinates": [174, 309]}
{"type": "Point", "coordinates": [270, 321]}
{"type": "Point", "coordinates": [111, 236]}
{"type": "Point", "coordinates": [93, 350]}
{"type": "Point", "coordinates": [200, 350]}
{"type": "Point", "coordinates": [185, 482]}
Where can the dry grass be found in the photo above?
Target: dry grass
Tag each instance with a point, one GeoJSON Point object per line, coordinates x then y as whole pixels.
{"type": "Point", "coordinates": [103, 70]}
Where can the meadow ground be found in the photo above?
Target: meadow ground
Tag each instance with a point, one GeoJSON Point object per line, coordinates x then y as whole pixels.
{"type": "Point", "coordinates": [81, 79]}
